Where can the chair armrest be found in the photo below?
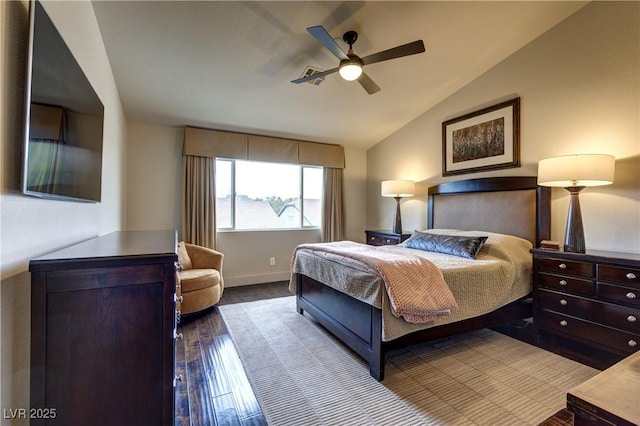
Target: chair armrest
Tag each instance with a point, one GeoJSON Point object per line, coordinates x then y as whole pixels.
{"type": "Point", "coordinates": [204, 257]}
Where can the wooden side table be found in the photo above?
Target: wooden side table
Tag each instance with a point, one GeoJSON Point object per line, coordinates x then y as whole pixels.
{"type": "Point", "coordinates": [612, 397]}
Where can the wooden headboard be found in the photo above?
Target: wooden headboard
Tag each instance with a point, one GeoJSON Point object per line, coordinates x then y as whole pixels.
{"type": "Point", "coordinates": [508, 205]}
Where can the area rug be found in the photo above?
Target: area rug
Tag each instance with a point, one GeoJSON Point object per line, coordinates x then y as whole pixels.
{"type": "Point", "coordinates": [303, 376]}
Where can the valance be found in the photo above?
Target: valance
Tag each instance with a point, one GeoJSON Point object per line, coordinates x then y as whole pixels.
{"type": "Point", "coordinates": [214, 143]}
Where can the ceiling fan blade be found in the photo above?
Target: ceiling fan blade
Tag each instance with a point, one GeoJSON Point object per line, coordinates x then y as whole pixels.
{"type": "Point", "coordinates": [395, 52]}
{"type": "Point", "coordinates": [369, 85]}
{"type": "Point", "coordinates": [316, 75]}
{"type": "Point", "coordinates": [327, 41]}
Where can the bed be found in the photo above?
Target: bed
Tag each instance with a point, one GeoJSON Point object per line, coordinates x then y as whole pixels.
{"type": "Point", "coordinates": [513, 208]}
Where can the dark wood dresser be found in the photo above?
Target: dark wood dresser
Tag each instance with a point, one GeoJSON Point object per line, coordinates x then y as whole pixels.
{"type": "Point", "coordinates": [103, 325]}
{"type": "Point", "coordinates": [384, 238]}
{"type": "Point", "coordinates": [592, 299]}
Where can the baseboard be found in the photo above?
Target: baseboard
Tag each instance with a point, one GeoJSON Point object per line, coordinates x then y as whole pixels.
{"type": "Point", "coordinates": [256, 279]}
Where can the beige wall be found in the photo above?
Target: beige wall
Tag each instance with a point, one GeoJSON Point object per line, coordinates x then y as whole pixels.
{"type": "Point", "coordinates": [155, 195]}
{"type": "Point", "coordinates": [31, 226]}
{"type": "Point", "coordinates": [579, 88]}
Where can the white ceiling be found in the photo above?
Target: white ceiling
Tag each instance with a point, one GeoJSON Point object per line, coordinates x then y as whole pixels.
{"type": "Point", "coordinates": [228, 65]}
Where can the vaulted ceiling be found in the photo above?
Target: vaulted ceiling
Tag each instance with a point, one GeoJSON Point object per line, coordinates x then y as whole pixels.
{"type": "Point", "coordinates": [228, 65]}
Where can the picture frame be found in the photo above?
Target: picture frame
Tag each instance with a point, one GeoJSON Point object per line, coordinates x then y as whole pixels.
{"type": "Point", "coordinates": [487, 139]}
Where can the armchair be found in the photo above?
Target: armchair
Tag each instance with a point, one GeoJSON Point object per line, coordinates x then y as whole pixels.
{"type": "Point", "coordinates": [200, 277]}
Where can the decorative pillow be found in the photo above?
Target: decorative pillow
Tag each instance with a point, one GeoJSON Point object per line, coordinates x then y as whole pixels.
{"type": "Point", "coordinates": [457, 245]}
{"type": "Point", "coordinates": [183, 257]}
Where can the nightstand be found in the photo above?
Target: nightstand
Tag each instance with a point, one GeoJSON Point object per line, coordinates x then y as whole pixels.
{"type": "Point", "coordinates": [384, 238]}
{"type": "Point", "coordinates": [592, 299]}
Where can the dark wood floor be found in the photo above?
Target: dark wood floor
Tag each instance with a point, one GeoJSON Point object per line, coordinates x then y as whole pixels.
{"type": "Point", "coordinates": [214, 389]}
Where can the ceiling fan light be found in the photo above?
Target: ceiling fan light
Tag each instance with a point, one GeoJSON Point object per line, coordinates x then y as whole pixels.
{"type": "Point", "coordinates": [350, 70]}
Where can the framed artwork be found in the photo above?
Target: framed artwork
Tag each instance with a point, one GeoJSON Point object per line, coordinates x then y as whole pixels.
{"type": "Point", "coordinates": [488, 139]}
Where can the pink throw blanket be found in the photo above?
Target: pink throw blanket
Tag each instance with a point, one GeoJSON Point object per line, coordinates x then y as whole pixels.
{"type": "Point", "coordinates": [416, 288]}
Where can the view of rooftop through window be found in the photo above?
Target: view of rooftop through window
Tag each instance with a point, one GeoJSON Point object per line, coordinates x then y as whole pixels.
{"type": "Point", "coordinates": [260, 195]}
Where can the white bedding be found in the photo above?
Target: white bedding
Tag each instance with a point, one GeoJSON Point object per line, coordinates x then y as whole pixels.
{"type": "Point", "coordinates": [500, 274]}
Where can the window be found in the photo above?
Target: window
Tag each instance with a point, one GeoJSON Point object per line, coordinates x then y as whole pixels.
{"type": "Point", "coordinates": [259, 195]}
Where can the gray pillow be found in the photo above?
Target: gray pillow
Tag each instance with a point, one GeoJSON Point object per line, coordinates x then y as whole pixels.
{"type": "Point", "coordinates": [457, 245]}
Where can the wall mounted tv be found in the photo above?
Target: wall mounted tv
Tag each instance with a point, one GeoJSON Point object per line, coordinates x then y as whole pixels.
{"type": "Point", "coordinates": [64, 119]}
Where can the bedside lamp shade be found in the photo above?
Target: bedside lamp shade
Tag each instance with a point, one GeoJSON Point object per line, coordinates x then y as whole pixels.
{"type": "Point", "coordinates": [577, 170]}
{"type": "Point", "coordinates": [574, 173]}
{"type": "Point", "coordinates": [397, 189]}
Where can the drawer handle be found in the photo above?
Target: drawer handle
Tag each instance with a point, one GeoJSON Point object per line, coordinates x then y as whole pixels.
{"type": "Point", "coordinates": [562, 266]}
{"type": "Point", "coordinates": [563, 283]}
{"type": "Point", "coordinates": [631, 295]}
{"type": "Point", "coordinates": [632, 343]}
{"type": "Point", "coordinates": [563, 323]}
{"type": "Point", "coordinates": [631, 318]}
{"type": "Point", "coordinates": [563, 302]}
{"type": "Point", "coordinates": [631, 276]}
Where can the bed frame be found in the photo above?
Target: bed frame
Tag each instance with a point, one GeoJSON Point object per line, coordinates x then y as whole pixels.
{"type": "Point", "coordinates": [509, 205]}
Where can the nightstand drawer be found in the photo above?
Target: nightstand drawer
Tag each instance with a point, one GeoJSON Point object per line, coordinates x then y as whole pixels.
{"type": "Point", "coordinates": [381, 240]}
{"type": "Point", "coordinates": [570, 267]}
{"type": "Point", "coordinates": [618, 274]}
{"type": "Point", "coordinates": [384, 238]}
{"type": "Point", "coordinates": [564, 283]}
{"type": "Point", "coordinates": [600, 312]}
{"type": "Point", "coordinates": [621, 341]}
{"type": "Point", "coordinates": [627, 295]}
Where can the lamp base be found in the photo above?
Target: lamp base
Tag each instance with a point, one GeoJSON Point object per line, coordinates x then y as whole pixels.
{"type": "Point", "coordinates": [397, 225]}
{"type": "Point", "coordinates": [574, 232]}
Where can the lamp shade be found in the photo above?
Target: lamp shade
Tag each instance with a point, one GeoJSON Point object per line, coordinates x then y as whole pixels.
{"type": "Point", "coordinates": [398, 188]}
{"type": "Point", "coordinates": [576, 170]}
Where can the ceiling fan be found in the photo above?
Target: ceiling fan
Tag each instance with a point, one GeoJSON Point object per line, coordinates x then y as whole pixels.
{"type": "Point", "coordinates": [350, 67]}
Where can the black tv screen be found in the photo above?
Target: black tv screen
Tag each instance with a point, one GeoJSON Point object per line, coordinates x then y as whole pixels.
{"type": "Point", "coordinates": [63, 119]}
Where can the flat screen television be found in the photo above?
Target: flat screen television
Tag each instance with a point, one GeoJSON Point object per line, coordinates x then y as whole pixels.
{"type": "Point", "coordinates": [62, 152]}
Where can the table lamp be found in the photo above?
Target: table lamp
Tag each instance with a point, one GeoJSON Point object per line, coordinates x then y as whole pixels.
{"type": "Point", "coordinates": [574, 173]}
{"type": "Point", "coordinates": [398, 189]}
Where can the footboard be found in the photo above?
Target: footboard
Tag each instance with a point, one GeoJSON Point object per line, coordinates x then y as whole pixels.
{"type": "Point", "coordinates": [357, 324]}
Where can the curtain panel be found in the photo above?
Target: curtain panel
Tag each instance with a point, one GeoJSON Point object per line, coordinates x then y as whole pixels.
{"type": "Point", "coordinates": [198, 201]}
{"type": "Point", "coordinates": [333, 221]}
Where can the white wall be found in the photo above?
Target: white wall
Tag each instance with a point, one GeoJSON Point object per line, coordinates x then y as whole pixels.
{"type": "Point", "coordinates": [31, 226]}
{"type": "Point", "coordinates": [579, 87]}
{"type": "Point", "coordinates": [155, 195]}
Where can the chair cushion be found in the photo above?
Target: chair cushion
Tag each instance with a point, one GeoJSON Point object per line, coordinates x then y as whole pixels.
{"type": "Point", "coordinates": [196, 279]}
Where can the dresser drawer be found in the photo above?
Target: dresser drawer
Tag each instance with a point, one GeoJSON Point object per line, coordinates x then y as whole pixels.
{"type": "Point", "coordinates": [570, 267]}
{"type": "Point", "coordinates": [564, 283]}
{"type": "Point", "coordinates": [619, 274]}
{"type": "Point", "coordinates": [627, 295]}
{"type": "Point", "coordinates": [621, 341]}
{"type": "Point", "coordinates": [595, 311]}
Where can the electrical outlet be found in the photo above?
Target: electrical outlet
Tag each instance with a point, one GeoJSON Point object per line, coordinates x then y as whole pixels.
{"type": "Point", "coordinates": [272, 261]}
